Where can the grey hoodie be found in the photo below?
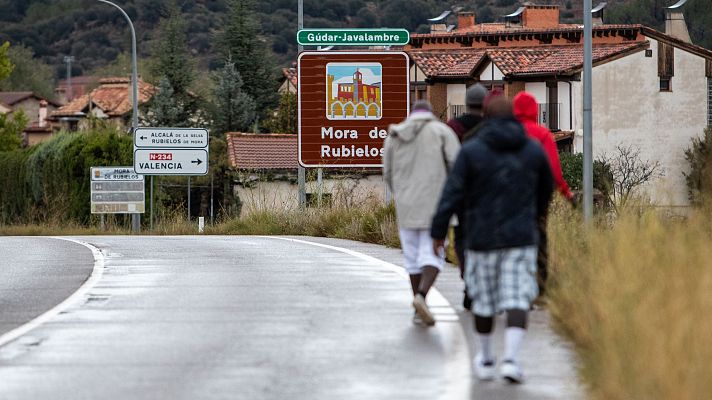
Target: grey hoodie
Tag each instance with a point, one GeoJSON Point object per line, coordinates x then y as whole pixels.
{"type": "Point", "coordinates": [417, 155]}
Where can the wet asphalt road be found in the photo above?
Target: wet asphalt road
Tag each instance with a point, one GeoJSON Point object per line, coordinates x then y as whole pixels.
{"type": "Point", "coordinates": [244, 318]}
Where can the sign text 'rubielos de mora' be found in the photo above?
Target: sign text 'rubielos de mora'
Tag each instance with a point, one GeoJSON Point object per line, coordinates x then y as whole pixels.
{"type": "Point", "coordinates": [346, 102]}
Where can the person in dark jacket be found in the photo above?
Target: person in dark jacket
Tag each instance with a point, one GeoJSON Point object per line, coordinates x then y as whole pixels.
{"type": "Point", "coordinates": [504, 180]}
{"type": "Point", "coordinates": [474, 100]}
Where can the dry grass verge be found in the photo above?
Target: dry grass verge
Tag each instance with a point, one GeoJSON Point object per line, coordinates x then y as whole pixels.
{"type": "Point", "coordinates": [634, 295]}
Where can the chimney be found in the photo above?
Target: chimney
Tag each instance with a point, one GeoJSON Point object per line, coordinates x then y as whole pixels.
{"type": "Point", "coordinates": [43, 114]}
{"type": "Point", "coordinates": [597, 13]}
{"type": "Point", "coordinates": [465, 20]}
{"type": "Point", "coordinates": [438, 28]}
{"type": "Point", "coordinates": [439, 23]}
{"type": "Point", "coordinates": [675, 25]}
{"type": "Point", "coordinates": [535, 16]}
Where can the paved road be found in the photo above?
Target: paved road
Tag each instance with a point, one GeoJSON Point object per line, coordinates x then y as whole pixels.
{"type": "Point", "coordinates": [236, 317]}
{"type": "Point", "coordinates": [37, 273]}
{"type": "Point", "coordinates": [253, 318]}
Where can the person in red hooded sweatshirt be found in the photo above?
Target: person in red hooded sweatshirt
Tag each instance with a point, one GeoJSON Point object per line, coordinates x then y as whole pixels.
{"type": "Point", "coordinates": [526, 111]}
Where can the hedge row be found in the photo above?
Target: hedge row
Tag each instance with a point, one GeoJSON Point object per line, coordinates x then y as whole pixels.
{"type": "Point", "coordinates": [51, 181]}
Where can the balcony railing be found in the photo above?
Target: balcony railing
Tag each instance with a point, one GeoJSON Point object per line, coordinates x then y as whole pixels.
{"type": "Point", "coordinates": [455, 110]}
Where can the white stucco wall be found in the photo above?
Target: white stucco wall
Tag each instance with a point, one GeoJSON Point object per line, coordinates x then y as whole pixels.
{"type": "Point", "coordinates": [416, 74]}
{"type": "Point", "coordinates": [491, 73]}
{"type": "Point", "coordinates": [538, 90]}
{"type": "Point", "coordinates": [282, 195]}
{"type": "Point", "coordinates": [456, 94]}
{"type": "Point", "coordinates": [565, 110]}
{"type": "Point", "coordinates": [630, 109]}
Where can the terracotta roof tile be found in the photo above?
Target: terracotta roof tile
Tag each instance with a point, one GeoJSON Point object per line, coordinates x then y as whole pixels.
{"type": "Point", "coordinates": [554, 59]}
{"type": "Point", "coordinates": [451, 63]}
{"type": "Point", "coordinates": [11, 98]}
{"type": "Point", "coordinates": [112, 97]}
{"type": "Point", "coordinates": [262, 151]}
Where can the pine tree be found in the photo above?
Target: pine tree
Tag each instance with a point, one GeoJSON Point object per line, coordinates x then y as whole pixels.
{"type": "Point", "coordinates": [164, 110]}
{"type": "Point", "coordinates": [284, 119]}
{"type": "Point", "coordinates": [173, 63]}
{"type": "Point", "coordinates": [240, 42]}
{"type": "Point", "coordinates": [234, 109]}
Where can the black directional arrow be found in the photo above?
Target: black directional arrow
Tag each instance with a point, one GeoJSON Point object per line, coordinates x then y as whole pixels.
{"type": "Point", "coordinates": [198, 161]}
{"type": "Point", "coordinates": [143, 138]}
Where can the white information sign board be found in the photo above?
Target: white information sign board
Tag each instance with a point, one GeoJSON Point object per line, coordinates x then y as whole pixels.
{"type": "Point", "coordinates": [190, 138]}
{"type": "Point", "coordinates": [171, 161]}
{"type": "Point", "coordinates": [117, 190]}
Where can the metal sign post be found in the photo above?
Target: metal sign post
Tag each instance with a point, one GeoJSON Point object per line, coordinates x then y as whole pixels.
{"type": "Point", "coordinates": [301, 171]}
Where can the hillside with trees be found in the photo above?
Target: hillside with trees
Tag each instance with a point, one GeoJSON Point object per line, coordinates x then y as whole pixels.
{"type": "Point", "coordinates": [97, 35]}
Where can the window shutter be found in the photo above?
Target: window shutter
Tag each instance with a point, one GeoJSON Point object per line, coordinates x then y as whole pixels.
{"type": "Point", "coordinates": [666, 60]}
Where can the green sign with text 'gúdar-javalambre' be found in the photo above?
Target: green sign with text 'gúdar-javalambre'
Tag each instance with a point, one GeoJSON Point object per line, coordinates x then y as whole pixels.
{"type": "Point", "coordinates": [353, 37]}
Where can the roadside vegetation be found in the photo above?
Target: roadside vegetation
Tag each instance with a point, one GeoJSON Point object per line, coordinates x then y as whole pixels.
{"type": "Point", "coordinates": [633, 295]}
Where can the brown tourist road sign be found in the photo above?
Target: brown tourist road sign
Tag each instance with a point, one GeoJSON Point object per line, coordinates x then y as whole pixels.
{"type": "Point", "coordinates": [346, 102]}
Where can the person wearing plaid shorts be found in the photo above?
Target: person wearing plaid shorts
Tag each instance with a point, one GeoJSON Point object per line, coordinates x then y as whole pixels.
{"type": "Point", "coordinates": [503, 181]}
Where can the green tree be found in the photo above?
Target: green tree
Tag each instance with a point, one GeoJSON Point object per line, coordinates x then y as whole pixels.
{"type": "Point", "coordinates": [240, 42]}
{"type": "Point", "coordinates": [234, 109]}
{"type": "Point", "coordinates": [5, 63]}
{"type": "Point", "coordinates": [164, 109]}
{"type": "Point", "coordinates": [11, 127]}
{"type": "Point", "coordinates": [699, 179]}
{"type": "Point", "coordinates": [176, 72]}
{"type": "Point", "coordinates": [284, 119]}
{"type": "Point", "coordinates": [29, 74]}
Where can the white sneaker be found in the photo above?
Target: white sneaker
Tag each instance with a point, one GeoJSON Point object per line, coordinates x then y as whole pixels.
{"type": "Point", "coordinates": [511, 371]}
{"type": "Point", "coordinates": [484, 370]}
{"type": "Point", "coordinates": [422, 309]}
{"type": "Point", "coordinates": [417, 320]}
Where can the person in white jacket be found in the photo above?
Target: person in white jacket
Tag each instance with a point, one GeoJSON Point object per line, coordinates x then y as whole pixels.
{"type": "Point", "coordinates": [418, 154]}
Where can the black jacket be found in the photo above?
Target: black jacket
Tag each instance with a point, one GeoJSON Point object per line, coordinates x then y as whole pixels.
{"type": "Point", "coordinates": [503, 180]}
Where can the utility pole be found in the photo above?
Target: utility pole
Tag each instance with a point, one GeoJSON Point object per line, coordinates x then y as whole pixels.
{"type": "Point", "coordinates": [69, 60]}
{"type": "Point", "coordinates": [301, 172]}
{"type": "Point", "coordinates": [133, 94]}
{"type": "Point", "coordinates": [587, 112]}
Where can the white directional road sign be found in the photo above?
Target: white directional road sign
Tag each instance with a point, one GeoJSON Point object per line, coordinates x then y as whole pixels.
{"type": "Point", "coordinates": [116, 190]}
{"type": "Point", "coordinates": [158, 161]}
{"type": "Point", "coordinates": [193, 138]}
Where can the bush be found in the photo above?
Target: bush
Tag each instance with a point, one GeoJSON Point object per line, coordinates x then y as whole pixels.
{"type": "Point", "coordinates": [572, 169]}
{"type": "Point", "coordinates": [50, 181]}
{"type": "Point", "coordinates": [699, 179]}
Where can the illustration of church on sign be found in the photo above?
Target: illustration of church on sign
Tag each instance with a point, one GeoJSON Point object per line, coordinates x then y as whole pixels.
{"type": "Point", "coordinates": [353, 91]}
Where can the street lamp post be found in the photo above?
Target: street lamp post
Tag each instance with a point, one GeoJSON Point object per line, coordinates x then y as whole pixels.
{"type": "Point", "coordinates": [587, 111]}
{"type": "Point", "coordinates": [135, 218]}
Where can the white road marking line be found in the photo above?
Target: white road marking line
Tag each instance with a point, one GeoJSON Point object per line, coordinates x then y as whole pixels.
{"type": "Point", "coordinates": [69, 301]}
{"type": "Point", "coordinates": [435, 298]}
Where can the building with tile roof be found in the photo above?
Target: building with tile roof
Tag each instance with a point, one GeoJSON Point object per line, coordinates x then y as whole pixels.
{"type": "Point", "coordinates": [111, 101]}
{"type": "Point", "coordinates": [289, 80]}
{"type": "Point", "coordinates": [266, 170]}
{"type": "Point", "coordinates": [651, 90]}
{"type": "Point", "coordinates": [35, 107]}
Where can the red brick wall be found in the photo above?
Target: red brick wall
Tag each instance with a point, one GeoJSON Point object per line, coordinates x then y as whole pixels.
{"type": "Point", "coordinates": [541, 17]}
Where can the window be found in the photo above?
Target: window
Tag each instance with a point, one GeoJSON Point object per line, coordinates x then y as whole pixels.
{"type": "Point", "coordinates": [665, 85]}
{"type": "Point", "coordinates": [666, 66]}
